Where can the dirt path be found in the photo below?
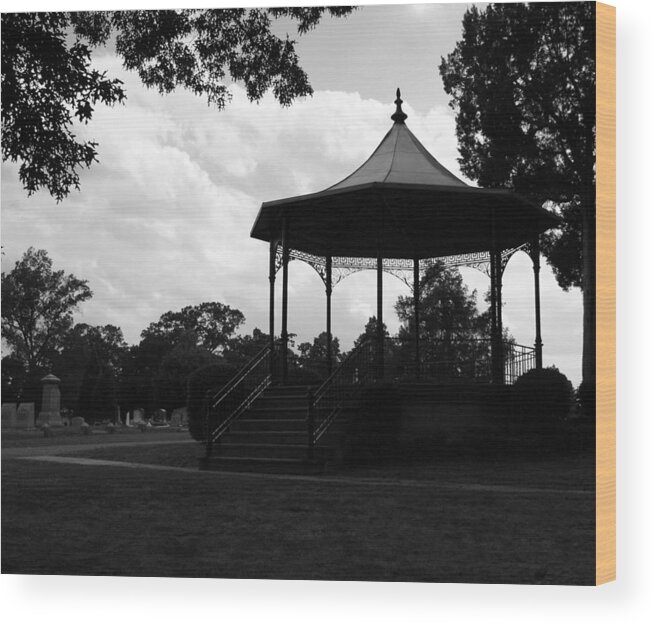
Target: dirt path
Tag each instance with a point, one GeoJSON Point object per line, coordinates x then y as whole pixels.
{"type": "Point", "coordinates": [61, 448]}
{"type": "Point", "coordinates": [486, 488]}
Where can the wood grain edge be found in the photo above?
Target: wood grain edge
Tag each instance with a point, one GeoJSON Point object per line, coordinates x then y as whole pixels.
{"type": "Point", "coordinates": [605, 293]}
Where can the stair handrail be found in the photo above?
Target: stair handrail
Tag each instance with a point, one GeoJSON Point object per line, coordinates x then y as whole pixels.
{"type": "Point", "coordinates": [356, 369]}
{"type": "Point", "coordinates": [259, 365]}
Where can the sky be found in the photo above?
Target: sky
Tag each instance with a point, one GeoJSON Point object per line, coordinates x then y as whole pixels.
{"type": "Point", "coordinates": [163, 220]}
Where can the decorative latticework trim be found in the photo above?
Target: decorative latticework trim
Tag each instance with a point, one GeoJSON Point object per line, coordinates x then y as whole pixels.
{"type": "Point", "coordinates": [401, 268]}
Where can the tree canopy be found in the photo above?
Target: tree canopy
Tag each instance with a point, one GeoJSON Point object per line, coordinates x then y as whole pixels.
{"type": "Point", "coordinates": [49, 83]}
{"type": "Point", "coordinates": [451, 328]}
{"type": "Point", "coordinates": [37, 308]}
{"type": "Point", "coordinates": [522, 81]}
{"type": "Point", "coordinates": [208, 325]}
{"type": "Point", "coordinates": [523, 84]}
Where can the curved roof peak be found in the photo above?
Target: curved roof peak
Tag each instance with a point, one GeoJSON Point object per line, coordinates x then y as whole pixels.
{"type": "Point", "coordinates": [401, 159]}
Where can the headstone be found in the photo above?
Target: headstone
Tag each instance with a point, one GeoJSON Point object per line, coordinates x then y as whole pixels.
{"type": "Point", "coordinates": [50, 401]}
{"type": "Point", "coordinates": [177, 417]}
{"type": "Point", "coordinates": [9, 414]}
{"type": "Point", "coordinates": [138, 416]}
{"type": "Point", "coordinates": [160, 416]}
{"type": "Point", "coordinates": [25, 415]}
{"type": "Point", "coordinates": [78, 423]}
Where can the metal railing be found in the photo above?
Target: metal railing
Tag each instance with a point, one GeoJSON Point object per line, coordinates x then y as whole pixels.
{"type": "Point", "coordinates": [456, 360]}
{"type": "Point", "coordinates": [238, 394]}
{"type": "Point", "coordinates": [519, 359]}
{"type": "Point", "coordinates": [327, 402]}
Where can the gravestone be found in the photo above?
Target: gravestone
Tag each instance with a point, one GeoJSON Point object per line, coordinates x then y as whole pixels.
{"type": "Point", "coordinates": [178, 417]}
{"type": "Point", "coordinates": [138, 416]}
{"type": "Point", "coordinates": [50, 402]}
{"type": "Point", "coordinates": [9, 415]}
{"type": "Point", "coordinates": [159, 416]}
{"type": "Point", "coordinates": [25, 415]}
{"type": "Point", "coordinates": [78, 423]}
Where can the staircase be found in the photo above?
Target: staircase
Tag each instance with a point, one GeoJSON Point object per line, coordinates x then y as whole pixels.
{"type": "Point", "coordinates": [271, 436]}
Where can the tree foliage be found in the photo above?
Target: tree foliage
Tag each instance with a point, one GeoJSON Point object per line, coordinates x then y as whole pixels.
{"type": "Point", "coordinates": [452, 331]}
{"type": "Point", "coordinates": [209, 325]}
{"type": "Point", "coordinates": [48, 82]}
{"type": "Point", "coordinates": [90, 366]}
{"type": "Point", "coordinates": [314, 354]}
{"type": "Point", "coordinates": [37, 308]}
{"type": "Point", "coordinates": [522, 81]}
{"type": "Point", "coordinates": [523, 84]}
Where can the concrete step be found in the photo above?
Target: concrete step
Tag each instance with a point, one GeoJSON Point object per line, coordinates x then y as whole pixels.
{"type": "Point", "coordinates": [266, 411]}
{"type": "Point", "coordinates": [245, 424]}
{"type": "Point", "coordinates": [279, 437]}
{"type": "Point", "coordinates": [264, 450]}
{"type": "Point", "coordinates": [267, 437]}
{"type": "Point", "coordinates": [263, 465]}
{"type": "Point", "coordinates": [288, 391]}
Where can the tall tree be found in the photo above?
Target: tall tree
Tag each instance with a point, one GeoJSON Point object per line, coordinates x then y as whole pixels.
{"type": "Point", "coordinates": [89, 366]}
{"type": "Point", "coordinates": [209, 325]}
{"type": "Point", "coordinates": [450, 325]}
{"type": "Point", "coordinates": [37, 308]}
{"type": "Point", "coordinates": [314, 354]}
{"type": "Point", "coordinates": [48, 81]}
{"type": "Point", "coordinates": [522, 80]}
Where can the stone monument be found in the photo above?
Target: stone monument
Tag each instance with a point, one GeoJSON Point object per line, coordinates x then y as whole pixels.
{"type": "Point", "coordinates": [25, 415]}
{"type": "Point", "coordinates": [9, 415]}
{"type": "Point", "coordinates": [50, 402]}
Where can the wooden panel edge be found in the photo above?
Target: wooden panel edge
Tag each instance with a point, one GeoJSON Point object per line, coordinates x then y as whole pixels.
{"type": "Point", "coordinates": [605, 293]}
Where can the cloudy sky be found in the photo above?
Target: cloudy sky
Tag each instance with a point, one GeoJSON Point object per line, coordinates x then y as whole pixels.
{"type": "Point", "coordinates": [163, 220]}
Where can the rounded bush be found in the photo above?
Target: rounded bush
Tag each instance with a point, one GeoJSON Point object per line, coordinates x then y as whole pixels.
{"type": "Point", "coordinates": [586, 399]}
{"type": "Point", "coordinates": [210, 378]}
{"type": "Point", "coordinates": [544, 394]}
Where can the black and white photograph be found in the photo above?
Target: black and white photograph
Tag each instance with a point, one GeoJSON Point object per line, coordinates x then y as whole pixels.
{"type": "Point", "coordinates": [301, 293]}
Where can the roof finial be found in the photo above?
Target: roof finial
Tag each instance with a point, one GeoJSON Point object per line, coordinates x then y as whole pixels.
{"type": "Point", "coordinates": [399, 116]}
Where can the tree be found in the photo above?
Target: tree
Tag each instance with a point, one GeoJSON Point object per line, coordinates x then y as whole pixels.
{"type": "Point", "coordinates": [522, 81]}
{"type": "Point", "coordinates": [451, 328]}
{"type": "Point", "coordinates": [37, 308]}
{"type": "Point", "coordinates": [209, 325]}
{"type": "Point", "coordinates": [314, 355]}
{"type": "Point", "coordinates": [173, 373]}
{"type": "Point", "coordinates": [89, 366]}
{"type": "Point", "coordinates": [48, 82]}
{"type": "Point", "coordinates": [371, 331]}
{"type": "Point", "coordinates": [242, 349]}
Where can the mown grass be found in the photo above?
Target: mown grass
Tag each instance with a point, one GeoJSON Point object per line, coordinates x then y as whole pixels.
{"type": "Point", "coordinates": [82, 520]}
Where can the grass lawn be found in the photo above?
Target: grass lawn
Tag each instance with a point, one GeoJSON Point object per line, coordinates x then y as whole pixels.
{"type": "Point", "coordinates": [406, 522]}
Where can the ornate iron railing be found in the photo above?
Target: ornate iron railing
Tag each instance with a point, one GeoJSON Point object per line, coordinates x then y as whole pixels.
{"type": "Point", "coordinates": [327, 402]}
{"type": "Point", "coordinates": [456, 360]}
{"type": "Point", "coordinates": [519, 359]}
{"type": "Point", "coordinates": [237, 395]}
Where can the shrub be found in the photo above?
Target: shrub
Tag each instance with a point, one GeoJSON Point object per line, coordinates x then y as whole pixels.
{"type": "Point", "coordinates": [208, 378]}
{"type": "Point", "coordinates": [586, 399]}
{"type": "Point", "coordinates": [544, 394]}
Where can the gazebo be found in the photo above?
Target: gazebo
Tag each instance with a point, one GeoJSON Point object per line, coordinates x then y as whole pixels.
{"type": "Point", "coordinates": [401, 212]}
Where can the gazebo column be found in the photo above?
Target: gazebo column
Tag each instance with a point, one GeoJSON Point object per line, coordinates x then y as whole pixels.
{"type": "Point", "coordinates": [538, 345]}
{"type": "Point", "coordinates": [328, 311]}
{"type": "Point", "coordinates": [497, 355]}
{"type": "Point", "coordinates": [380, 325]}
{"type": "Point", "coordinates": [285, 301]}
{"type": "Point", "coordinates": [271, 305]}
{"type": "Point", "coordinates": [417, 353]}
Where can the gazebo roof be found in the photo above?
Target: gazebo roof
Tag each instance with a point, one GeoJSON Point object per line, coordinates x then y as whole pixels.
{"type": "Point", "coordinates": [402, 203]}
